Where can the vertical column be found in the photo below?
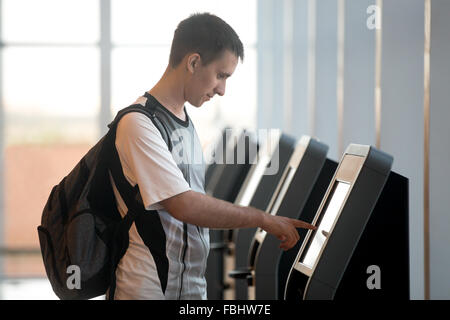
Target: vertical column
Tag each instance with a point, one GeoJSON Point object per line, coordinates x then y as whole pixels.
{"type": "Point", "coordinates": [439, 152]}
{"type": "Point", "coordinates": [300, 116]}
{"type": "Point", "coordinates": [378, 49]}
{"type": "Point", "coordinates": [2, 146]}
{"type": "Point", "coordinates": [426, 147]}
{"type": "Point", "coordinates": [358, 124]}
{"type": "Point", "coordinates": [340, 74]}
{"type": "Point", "coordinates": [401, 129]}
{"type": "Point", "coordinates": [278, 67]}
{"type": "Point", "coordinates": [278, 98]}
{"type": "Point", "coordinates": [288, 74]}
{"type": "Point", "coordinates": [311, 89]}
{"type": "Point", "coordinates": [105, 65]}
{"type": "Point", "coordinates": [325, 120]}
{"type": "Point", "coordinates": [265, 68]}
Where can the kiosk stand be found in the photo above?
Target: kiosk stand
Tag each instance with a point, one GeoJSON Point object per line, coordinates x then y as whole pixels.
{"type": "Point", "coordinates": [379, 267]}
{"type": "Point", "coordinates": [308, 213]}
{"type": "Point", "coordinates": [224, 183]}
{"type": "Point", "coordinates": [214, 168]}
{"type": "Point", "coordinates": [352, 255]}
{"type": "Point", "coordinates": [256, 190]}
{"type": "Point", "coordinates": [257, 193]}
{"type": "Point", "coordinates": [289, 199]}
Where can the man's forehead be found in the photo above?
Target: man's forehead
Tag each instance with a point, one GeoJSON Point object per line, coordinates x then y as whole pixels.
{"type": "Point", "coordinates": [227, 61]}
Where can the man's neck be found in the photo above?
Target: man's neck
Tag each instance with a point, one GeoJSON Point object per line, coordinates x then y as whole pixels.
{"type": "Point", "coordinates": [170, 94]}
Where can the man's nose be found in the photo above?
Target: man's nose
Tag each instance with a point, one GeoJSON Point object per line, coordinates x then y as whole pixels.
{"type": "Point", "coordinates": [220, 89]}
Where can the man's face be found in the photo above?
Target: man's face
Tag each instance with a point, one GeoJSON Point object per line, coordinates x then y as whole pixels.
{"type": "Point", "coordinates": [207, 81]}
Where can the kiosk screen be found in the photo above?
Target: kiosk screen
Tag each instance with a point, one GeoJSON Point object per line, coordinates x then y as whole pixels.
{"type": "Point", "coordinates": [327, 219]}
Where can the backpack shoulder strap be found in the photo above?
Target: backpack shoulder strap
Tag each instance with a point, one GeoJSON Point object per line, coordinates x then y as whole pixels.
{"type": "Point", "coordinates": [129, 193]}
{"type": "Point", "coordinates": [150, 111]}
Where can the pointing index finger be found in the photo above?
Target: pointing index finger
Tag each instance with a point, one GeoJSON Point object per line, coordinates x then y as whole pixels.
{"type": "Point", "coordinates": [303, 224]}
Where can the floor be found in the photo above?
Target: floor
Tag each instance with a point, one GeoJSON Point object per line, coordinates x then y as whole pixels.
{"type": "Point", "coordinates": [28, 289]}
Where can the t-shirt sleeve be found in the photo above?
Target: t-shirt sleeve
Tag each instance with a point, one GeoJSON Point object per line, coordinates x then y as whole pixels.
{"type": "Point", "coordinates": [147, 161]}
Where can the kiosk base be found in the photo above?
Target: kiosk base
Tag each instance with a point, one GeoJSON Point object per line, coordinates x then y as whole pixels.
{"type": "Point", "coordinates": [307, 214]}
{"type": "Point", "coordinates": [379, 267]}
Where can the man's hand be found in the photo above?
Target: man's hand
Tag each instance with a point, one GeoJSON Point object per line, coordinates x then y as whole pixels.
{"type": "Point", "coordinates": [285, 229]}
{"type": "Point", "coordinates": [205, 211]}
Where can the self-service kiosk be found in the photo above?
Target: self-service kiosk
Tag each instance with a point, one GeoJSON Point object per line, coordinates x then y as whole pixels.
{"type": "Point", "coordinates": [264, 188]}
{"type": "Point", "coordinates": [235, 152]}
{"type": "Point", "coordinates": [224, 183]}
{"type": "Point", "coordinates": [360, 247]}
{"type": "Point", "coordinates": [256, 191]}
{"type": "Point", "coordinates": [289, 199]}
{"type": "Point", "coordinates": [216, 154]}
{"type": "Point", "coordinates": [286, 258]}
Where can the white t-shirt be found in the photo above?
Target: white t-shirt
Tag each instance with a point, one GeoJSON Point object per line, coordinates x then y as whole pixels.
{"type": "Point", "coordinates": [146, 160]}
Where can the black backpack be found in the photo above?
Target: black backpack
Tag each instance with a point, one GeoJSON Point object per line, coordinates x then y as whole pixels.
{"type": "Point", "coordinates": [82, 233]}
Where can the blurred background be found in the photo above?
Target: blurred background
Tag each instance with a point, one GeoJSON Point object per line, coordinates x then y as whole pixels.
{"type": "Point", "coordinates": [345, 71]}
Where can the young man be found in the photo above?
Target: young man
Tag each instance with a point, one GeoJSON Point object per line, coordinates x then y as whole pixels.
{"type": "Point", "coordinates": [169, 244]}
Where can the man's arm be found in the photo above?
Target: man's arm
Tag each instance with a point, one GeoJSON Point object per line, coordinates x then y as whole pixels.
{"type": "Point", "coordinates": [205, 211]}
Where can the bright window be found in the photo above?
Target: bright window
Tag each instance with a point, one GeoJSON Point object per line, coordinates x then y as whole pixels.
{"type": "Point", "coordinates": [50, 81]}
{"type": "Point", "coordinates": [50, 90]}
{"type": "Point", "coordinates": [142, 33]}
{"type": "Point", "coordinates": [50, 21]}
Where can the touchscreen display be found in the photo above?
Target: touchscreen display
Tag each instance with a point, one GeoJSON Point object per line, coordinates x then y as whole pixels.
{"type": "Point", "coordinates": [335, 200]}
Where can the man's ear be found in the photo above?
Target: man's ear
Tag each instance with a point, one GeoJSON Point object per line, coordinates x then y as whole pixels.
{"type": "Point", "coordinates": [193, 61]}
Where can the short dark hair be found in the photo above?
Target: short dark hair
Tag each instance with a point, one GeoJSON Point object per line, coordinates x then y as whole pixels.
{"type": "Point", "coordinates": [207, 35]}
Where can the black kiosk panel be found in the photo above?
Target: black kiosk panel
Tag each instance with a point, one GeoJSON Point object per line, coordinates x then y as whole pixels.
{"type": "Point", "coordinates": [268, 154]}
{"type": "Point", "coordinates": [289, 199]}
{"type": "Point", "coordinates": [307, 214]}
{"type": "Point", "coordinates": [213, 170]}
{"type": "Point", "coordinates": [240, 153]}
{"type": "Point", "coordinates": [379, 267]}
{"type": "Point", "coordinates": [260, 199]}
{"type": "Point", "coordinates": [340, 220]}
{"type": "Point", "coordinates": [265, 167]}
{"type": "Point", "coordinates": [225, 183]}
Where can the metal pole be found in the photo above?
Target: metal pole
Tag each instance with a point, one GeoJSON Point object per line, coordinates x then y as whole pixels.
{"type": "Point", "coordinates": [426, 169]}
{"type": "Point", "coordinates": [378, 52]}
{"type": "Point", "coordinates": [340, 73]}
{"type": "Point", "coordinates": [105, 65]}
{"type": "Point", "coordinates": [2, 153]}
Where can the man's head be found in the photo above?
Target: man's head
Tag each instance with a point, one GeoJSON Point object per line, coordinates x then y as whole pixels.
{"type": "Point", "coordinates": [207, 35]}
{"type": "Point", "coordinates": [207, 49]}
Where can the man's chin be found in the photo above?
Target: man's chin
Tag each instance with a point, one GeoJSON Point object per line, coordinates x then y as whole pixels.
{"type": "Point", "coordinates": [198, 104]}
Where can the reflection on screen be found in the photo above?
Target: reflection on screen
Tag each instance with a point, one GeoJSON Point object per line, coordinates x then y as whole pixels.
{"type": "Point", "coordinates": [334, 204]}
